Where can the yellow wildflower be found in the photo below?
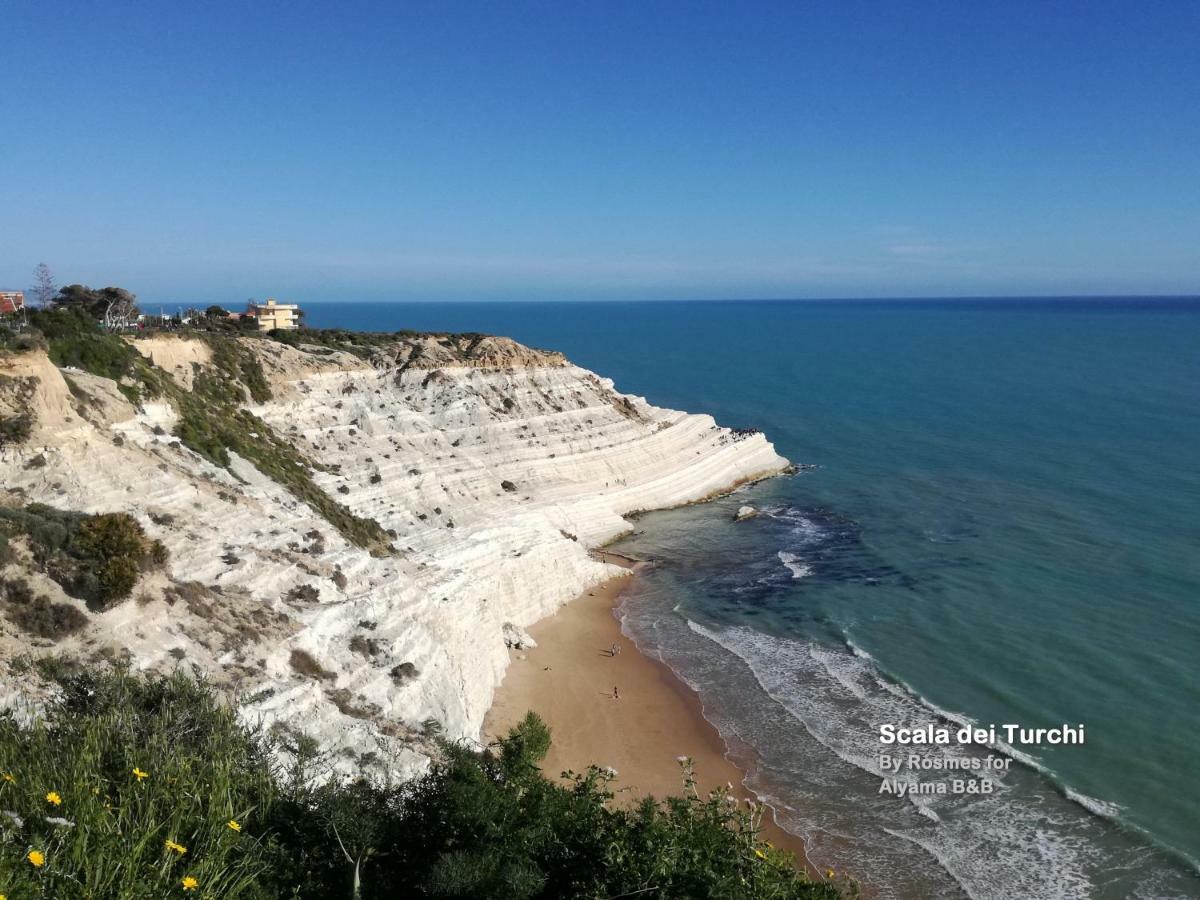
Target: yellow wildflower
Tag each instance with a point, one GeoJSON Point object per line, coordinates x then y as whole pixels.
{"type": "Point", "coordinates": [190, 883]}
{"type": "Point", "coordinates": [140, 774]}
{"type": "Point", "coordinates": [829, 873]}
{"type": "Point", "coordinates": [759, 853]}
{"type": "Point", "coordinates": [178, 848]}
{"type": "Point", "coordinates": [8, 776]}
{"type": "Point", "coordinates": [54, 798]}
{"type": "Point", "coordinates": [234, 824]}
{"type": "Point", "coordinates": [36, 857]}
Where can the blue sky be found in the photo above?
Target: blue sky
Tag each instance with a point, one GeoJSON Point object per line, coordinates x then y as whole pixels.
{"type": "Point", "coordinates": [561, 150]}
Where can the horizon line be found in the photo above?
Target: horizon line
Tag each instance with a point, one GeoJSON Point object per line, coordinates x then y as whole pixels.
{"type": "Point", "coordinates": [865, 299]}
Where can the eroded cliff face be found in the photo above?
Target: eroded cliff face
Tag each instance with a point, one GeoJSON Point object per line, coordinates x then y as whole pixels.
{"type": "Point", "coordinates": [492, 468]}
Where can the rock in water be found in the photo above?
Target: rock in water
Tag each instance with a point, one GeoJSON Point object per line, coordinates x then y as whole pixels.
{"type": "Point", "coordinates": [745, 512]}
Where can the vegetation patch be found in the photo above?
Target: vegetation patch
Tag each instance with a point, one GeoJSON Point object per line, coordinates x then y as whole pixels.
{"type": "Point", "coordinates": [73, 338]}
{"type": "Point", "coordinates": [304, 663]}
{"type": "Point", "coordinates": [303, 593]}
{"type": "Point", "coordinates": [212, 423]}
{"type": "Point", "coordinates": [231, 357]}
{"type": "Point", "coordinates": [365, 646]}
{"type": "Point", "coordinates": [38, 614]}
{"type": "Point", "coordinates": [17, 394]}
{"type": "Point", "coordinates": [15, 430]}
{"type": "Point", "coordinates": [97, 558]}
{"type": "Point", "coordinates": [148, 787]}
{"type": "Point", "coordinates": [363, 344]}
{"type": "Point", "coordinates": [403, 672]}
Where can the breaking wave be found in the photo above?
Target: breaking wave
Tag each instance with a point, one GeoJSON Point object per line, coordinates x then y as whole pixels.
{"type": "Point", "coordinates": [793, 564]}
{"type": "Point", "coordinates": [1022, 840]}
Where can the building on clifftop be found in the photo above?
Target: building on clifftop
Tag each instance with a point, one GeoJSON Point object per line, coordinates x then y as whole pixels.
{"type": "Point", "coordinates": [273, 315]}
{"type": "Point", "coordinates": [11, 302]}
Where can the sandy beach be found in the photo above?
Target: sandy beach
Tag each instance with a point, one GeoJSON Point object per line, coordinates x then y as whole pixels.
{"type": "Point", "coordinates": [569, 678]}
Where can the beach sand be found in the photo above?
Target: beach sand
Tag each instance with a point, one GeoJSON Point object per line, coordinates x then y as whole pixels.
{"type": "Point", "coordinates": [568, 680]}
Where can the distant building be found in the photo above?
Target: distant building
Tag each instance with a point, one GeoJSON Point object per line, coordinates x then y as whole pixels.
{"type": "Point", "coordinates": [272, 315]}
{"type": "Point", "coordinates": [11, 302]}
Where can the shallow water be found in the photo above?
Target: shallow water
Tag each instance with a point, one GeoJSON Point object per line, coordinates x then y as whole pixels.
{"type": "Point", "coordinates": [1002, 527]}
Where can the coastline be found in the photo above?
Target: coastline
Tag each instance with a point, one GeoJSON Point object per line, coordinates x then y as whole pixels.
{"type": "Point", "coordinates": [568, 680]}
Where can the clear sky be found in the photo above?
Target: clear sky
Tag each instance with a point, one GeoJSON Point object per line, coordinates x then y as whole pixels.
{"type": "Point", "coordinates": [505, 150]}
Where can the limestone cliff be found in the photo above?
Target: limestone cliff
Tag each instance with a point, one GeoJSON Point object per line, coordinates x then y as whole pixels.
{"type": "Point", "coordinates": [490, 467]}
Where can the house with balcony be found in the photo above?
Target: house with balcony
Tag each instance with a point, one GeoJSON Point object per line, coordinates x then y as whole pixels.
{"type": "Point", "coordinates": [272, 314]}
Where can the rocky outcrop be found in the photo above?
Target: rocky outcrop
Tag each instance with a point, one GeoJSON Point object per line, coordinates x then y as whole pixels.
{"type": "Point", "coordinates": [517, 638]}
{"type": "Point", "coordinates": [493, 469]}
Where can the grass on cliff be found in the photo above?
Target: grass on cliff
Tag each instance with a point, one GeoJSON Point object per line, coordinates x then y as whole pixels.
{"type": "Point", "coordinates": [364, 344]}
{"type": "Point", "coordinates": [140, 787]}
{"type": "Point", "coordinates": [212, 422]}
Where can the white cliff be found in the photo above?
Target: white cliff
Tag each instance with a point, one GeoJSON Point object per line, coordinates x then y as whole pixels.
{"type": "Point", "coordinates": [493, 468]}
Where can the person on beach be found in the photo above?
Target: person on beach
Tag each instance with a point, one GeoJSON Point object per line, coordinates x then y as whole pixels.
{"type": "Point", "coordinates": [613, 650]}
{"type": "Point", "coordinates": [616, 694]}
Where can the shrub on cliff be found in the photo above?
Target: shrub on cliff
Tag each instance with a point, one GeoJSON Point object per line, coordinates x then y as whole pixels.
{"type": "Point", "coordinates": [144, 787]}
{"type": "Point", "coordinates": [97, 558]}
{"type": "Point", "coordinates": [44, 618]}
{"type": "Point", "coordinates": [37, 614]}
{"type": "Point", "coordinates": [76, 339]}
{"type": "Point", "coordinates": [16, 429]}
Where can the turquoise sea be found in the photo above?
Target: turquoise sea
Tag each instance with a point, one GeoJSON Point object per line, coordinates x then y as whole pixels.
{"type": "Point", "coordinates": [1002, 525]}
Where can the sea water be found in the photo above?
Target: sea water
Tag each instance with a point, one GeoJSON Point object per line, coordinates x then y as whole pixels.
{"type": "Point", "coordinates": [1002, 525]}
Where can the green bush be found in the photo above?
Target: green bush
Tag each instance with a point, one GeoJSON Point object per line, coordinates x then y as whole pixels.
{"type": "Point", "coordinates": [110, 535]}
{"type": "Point", "coordinates": [132, 785]}
{"type": "Point", "coordinates": [64, 322]}
{"type": "Point", "coordinates": [115, 580]}
{"type": "Point", "coordinates": [101, 354]}
{"type": "Point", "coordinates": [96, 558]}
{"type": "Point", "coordinates": [16, 591]}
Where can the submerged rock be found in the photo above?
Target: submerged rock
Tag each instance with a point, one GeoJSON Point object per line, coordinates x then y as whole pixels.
{"type": "Point", "coordinates": [745, 512]}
